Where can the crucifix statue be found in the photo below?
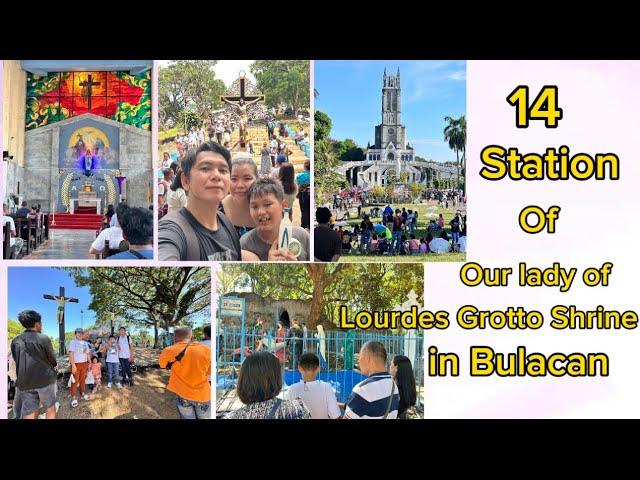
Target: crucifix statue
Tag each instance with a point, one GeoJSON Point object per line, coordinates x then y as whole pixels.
{"type": "Point", "coordinates": [62, 300]}
{"type": "Point", "coordinates": [87, 85]}
{"type": "Point", "coordinates": [241, 102]}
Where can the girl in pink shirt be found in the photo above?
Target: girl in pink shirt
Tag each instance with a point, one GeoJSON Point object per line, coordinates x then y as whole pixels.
{"type": "Point", "coordinates": [96, 372]}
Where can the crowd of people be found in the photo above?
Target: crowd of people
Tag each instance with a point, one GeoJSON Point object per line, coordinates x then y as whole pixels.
{"type": "Point", "coordinates": [113, 359]}
{"type": "Point", "coordinates": [396, 233]}
{"type": "Point", "coordinates": [388, 392]}
{"type": "Point", "coordinates": [215, 206]}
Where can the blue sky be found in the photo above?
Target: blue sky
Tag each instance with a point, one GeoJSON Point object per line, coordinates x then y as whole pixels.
{"type": "Point", "coordinates": [350, 93]}
{"type": "Point", "coordinates": [27, 285]}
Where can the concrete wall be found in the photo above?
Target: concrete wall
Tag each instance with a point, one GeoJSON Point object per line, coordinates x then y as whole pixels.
{"type": "Point", "coordinates": [41, 175]}
{"type": "Point", "coordinates": [14, 83]}
{"type": "Point", "coordinates": [266, 307]}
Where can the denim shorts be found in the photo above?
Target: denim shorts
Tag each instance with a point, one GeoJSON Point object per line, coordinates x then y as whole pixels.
{"type": "Point", "coordinates": [25, 403]}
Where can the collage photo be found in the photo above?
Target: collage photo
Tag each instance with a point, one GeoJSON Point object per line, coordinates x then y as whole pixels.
{"type": "Point", "coordinates": [147, 203]}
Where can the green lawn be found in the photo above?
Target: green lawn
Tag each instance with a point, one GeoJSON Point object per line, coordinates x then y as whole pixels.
{"type": "Point", "coordinates": [429, 257]}
{"type": "Point", "coordinates": [420, 232]}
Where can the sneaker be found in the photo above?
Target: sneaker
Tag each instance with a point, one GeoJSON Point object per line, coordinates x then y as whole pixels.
{"type": "Point", "coordinates": [131, 383]}
{"type": "Point", "coordinates": [85, 397]}
{"type": "Point", "coordinates": [118, 385]}
{"type": "Point", "coordinates": [109, 385]}
{"type": "Point", "coordinates": [74, 403]}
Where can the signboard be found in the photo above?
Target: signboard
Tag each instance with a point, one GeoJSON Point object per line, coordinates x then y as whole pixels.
{"type": "Point", "coordinates": [232, 306]}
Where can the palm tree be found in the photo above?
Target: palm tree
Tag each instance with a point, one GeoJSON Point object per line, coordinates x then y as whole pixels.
{"type": "Point", "coordinates": [455, 133]}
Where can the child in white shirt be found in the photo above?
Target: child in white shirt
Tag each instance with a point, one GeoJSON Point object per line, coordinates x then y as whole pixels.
{"type": "Point", "coordinates": [317, 396]}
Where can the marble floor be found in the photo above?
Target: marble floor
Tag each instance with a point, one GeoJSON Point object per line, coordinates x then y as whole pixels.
{"type": "Point", "coordinates": [65, 244]}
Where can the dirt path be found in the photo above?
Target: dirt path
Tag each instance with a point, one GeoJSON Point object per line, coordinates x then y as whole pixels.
{"type": "Point", "coordinates": [147, 399]}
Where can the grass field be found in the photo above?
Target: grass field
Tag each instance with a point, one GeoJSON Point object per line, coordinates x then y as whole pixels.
{"type": "Point", "coordinates": [429, 257]}
{"type": "Point", "coordinates": [426, 212]}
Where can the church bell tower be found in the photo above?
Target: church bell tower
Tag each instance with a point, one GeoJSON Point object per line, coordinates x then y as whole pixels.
{"type": "Point", "coordinates": [391, 129]}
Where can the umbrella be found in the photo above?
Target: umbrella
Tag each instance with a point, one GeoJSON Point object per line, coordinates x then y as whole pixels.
{"type": "Point", "coordinates": [379, 228]}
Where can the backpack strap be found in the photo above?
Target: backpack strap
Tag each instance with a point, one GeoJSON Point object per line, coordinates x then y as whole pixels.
{"type": "Point", "coordinates": [193, 246]}
{"type": "Point", "coordinates": [228, 224]}
{"type": "Point", "coordinates": [137, 254]}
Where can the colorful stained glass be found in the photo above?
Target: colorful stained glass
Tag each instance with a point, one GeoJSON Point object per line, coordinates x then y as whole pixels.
{"type": "Point", "coordinates": [116, 95]}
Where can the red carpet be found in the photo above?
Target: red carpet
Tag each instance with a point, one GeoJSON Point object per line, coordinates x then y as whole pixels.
{"type": "Point", "coordinates": [77, 221]}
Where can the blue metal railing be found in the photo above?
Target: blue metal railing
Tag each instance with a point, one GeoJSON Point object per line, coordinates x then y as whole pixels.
{"type": "Point", "coordinates": [338, 351]}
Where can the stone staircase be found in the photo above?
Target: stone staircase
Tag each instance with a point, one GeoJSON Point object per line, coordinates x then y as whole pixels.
{"type": "Point", "coordinates": [258, 135]}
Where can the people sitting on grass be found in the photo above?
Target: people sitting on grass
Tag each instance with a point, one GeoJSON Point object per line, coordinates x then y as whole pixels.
{"type": "Point", "coordinates": [440, 244]}
{"type": "Point", "coordinates": [402, 372]}
{"type": "Point", "coordinates": [397, 235]}
{"type": "Point", "coordinates": [259, 384]}
{"type": "Point", "coordinates": [267, 203]}
{"type": "Point", "coordinates": [316, 395]}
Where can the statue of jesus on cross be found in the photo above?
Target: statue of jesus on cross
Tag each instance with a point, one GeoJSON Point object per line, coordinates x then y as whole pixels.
{"type": "Point", "coordinates": [240, 103]}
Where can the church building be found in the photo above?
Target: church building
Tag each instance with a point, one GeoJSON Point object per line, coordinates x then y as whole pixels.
{"type": "Point", "coordinates": [77, 136]}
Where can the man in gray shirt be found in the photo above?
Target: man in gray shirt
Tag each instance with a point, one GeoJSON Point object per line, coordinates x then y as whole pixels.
{"type": "Point", "coordinates": [199, 232]}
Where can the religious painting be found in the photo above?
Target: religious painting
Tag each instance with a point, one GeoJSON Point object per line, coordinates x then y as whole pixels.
{"type": "Point", "coordinates": [118, 96]}
{"type": "Point", "coordinates": [88, 146]}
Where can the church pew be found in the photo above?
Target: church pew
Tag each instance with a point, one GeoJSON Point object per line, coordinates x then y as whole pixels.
{"type": "Point", "coordinates": [36, 230]}
{"type": "Point", "coordinates": [46, 226]}
{"type": "Point", "coordinates": [23, 226]}
{"type": "Point", "coordinates": [7, 250]}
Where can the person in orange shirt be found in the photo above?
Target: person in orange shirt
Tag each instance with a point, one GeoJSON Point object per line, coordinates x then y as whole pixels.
{"type": "Point", "coordinates": [190, 364]}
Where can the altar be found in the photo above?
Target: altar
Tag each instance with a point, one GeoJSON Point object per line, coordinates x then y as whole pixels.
{"type": "Point", "coordinates": [86, 199]}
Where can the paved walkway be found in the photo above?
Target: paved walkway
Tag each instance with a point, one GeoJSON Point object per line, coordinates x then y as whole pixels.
{"type": "Point", "coordinates": [65, 244]}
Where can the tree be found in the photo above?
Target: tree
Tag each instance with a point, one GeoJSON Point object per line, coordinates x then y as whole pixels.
{"type": "Point", "coordinates": [188, 83]}
{"type": "Point", "coordinates": [378, 191]}
{"type": "Point", "coordinates": [13, 329]}
{"type": "Point", "coordinates": [416, 190]}
{"type": "Point", "coordinates": [347, 150]}
{"type": "Point", "coordinates": [188, 119]}
{"type": "Point", "coordinates": [455, 133]}
{"type": "Point", "coordinates": [326, 179]}
{"type": "Point", "coordinates": [327, 286]}
{"type": "Point", "coordinates": [283, 82]}
{"type": "Point", "coordinates": [148, 297]}
{"type": "Point", "coordinates": [322, 126]}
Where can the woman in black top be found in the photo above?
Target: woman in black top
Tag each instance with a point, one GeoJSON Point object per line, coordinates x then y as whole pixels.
{"type": "Point", "coordinates": [402, 371]}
